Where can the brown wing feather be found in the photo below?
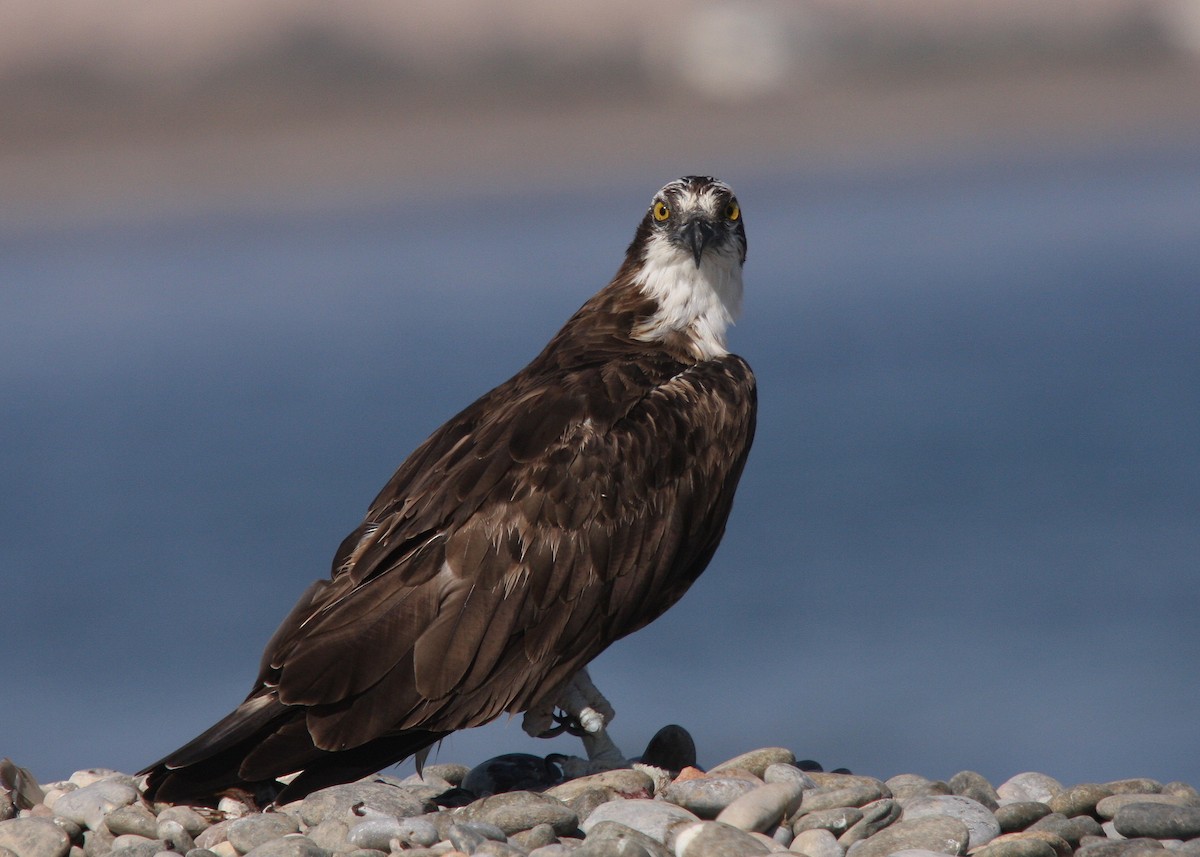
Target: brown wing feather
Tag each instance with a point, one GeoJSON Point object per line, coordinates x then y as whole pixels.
{"type": "Point", "coordinates": [533, 530]}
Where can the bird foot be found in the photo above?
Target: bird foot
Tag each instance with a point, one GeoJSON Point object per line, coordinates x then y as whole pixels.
{"type": "Point", "coordinates": [584, 713]}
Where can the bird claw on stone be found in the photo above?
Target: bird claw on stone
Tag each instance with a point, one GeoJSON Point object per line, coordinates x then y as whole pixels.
{"type": "Point", "coordinates": [578, 709]}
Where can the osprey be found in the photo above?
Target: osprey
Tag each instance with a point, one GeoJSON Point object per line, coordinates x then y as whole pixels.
{"type": "Point", "coordinates": [563, 510]}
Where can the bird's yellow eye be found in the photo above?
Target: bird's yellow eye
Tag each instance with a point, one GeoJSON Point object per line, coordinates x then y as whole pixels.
{"type": "Point", "coordinates": [733, 211]}
{"type": "Point", "coordinates": [661, 211]}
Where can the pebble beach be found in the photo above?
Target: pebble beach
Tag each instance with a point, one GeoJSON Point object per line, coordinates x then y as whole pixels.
{"type": "Point", "coordinates": [760, 802]}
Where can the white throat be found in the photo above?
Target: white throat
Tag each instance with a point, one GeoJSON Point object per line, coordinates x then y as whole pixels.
{"type": "Point", "coordinates": [700, 302]}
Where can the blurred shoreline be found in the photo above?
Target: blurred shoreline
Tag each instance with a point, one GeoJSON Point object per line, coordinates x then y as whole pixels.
{"type": "Point", "coordinates": [273, 142]}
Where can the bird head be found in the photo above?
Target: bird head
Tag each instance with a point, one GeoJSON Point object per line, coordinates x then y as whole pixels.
{"type": "Point", "coordinates": [690, 216]}
{"type": "Point", "coordinates": [687, 255]}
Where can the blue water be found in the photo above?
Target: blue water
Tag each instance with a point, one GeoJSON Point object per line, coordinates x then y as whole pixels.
{"type": "Point", "coordinates": [967, 537]}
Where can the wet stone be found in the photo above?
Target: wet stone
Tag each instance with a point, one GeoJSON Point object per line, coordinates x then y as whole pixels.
{"type": "Point", "coordinates": [932, 833]}
{"type": "Point", "coordinates": [1158, 821]}
{"type": "Point", "coordinates": [757, 761]}
{"type": "Point", "coordinates": [875, 817]}
{"type": "Point", "coordinates": [976, 787]}
{"type": "Point", "coordinates": [246, 834]}
{"type": "Point", "coordinates": [1018, 816]}
{"type": "Point", "coordinates": [34, 837]}
{"type": "Point", "coordinates": [979, 820]}
{"type": "Point", "coordinates": [132, 819]}
{"type": "Point", "coordinates": [816, 843]}
{"type": "Point", "coordinates": [708, 796]}
{"type": "Point", "coordinates": [651, 817]}
{"type": "Point", "coordinates": [837, 820]}
{"type": "Point", "coordinates": [1079, 800]}
{"type": "Point", "coordinates": [763, 808]}
{"type": "Point", "coordinates": [714, 839]}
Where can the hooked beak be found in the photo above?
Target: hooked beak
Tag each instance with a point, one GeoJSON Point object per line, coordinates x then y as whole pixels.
{"type": "Point", "coordinates": [696, 234]}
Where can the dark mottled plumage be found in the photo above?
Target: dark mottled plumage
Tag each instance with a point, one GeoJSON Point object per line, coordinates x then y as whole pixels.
{"type": "Point", "coordinates": [564, 509]}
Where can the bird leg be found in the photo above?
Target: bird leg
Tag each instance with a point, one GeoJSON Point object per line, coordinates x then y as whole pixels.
{"type": "Point", "coordinates": [585, 712]}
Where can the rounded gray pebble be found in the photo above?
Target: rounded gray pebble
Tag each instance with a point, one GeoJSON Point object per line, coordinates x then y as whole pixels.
{"type": "Point", "coordinates": [837, 820]}
{"type": "Point", "coordinates": [378, 833]}
{"type": "Point", "coordinates": [707, 796]}
{"type": "Point", "coordinates": [714, 839]}
{"type": "Point", "coordinates": [176, 838]}
{"type": "Point", "coordinates": [88, 806]}
{"type": "Point", "coordinates": [1134, 785]}
{"type": "Point", "coordinates": [623, 840]}
{"type": "Point", "coordinates": [781, 773]}
{"type": "Point", "coordinates": [976, 787]}
{"type": "Point", "coordinates": [516, 811]}
{"type": "Point", "coordinates": [979, 820]}
{"type": "Point", "coordinates": [757, 761]}
{"type": "Point", "coordinates": [534, 837]}
{"type": "Point", "coordinates": [1158, 821]}
{"type": "Point", "coordinates": [763, 808]}
{"type": "Point", "coordinates": [213, 835]}
{"type": "Point", "coordinates": [200, 852]}
{"type": "Point", "coordinates": [651, 817]}
{"type": "Point", "coordinates": [1018, 848]}
{"type": "Point", "coordinates": [932, 833]}
{"type": "Point", "coordinates": [292, 845]}
{"type": "Point", "coordinates": [193, 822]}
{"type": "Point", "coordinates": [246, 834]}
{"type": "Point", "coordinates": [623, 782]}
{"type": "Point", "coordinates": [396, 801]}
{"type": "Point", "coordinates": [134, 818]}
{"type": "Point", "coordinates": [1121, 848]}
{"type": "Point", "coordinates": [1069, 829]}
{"type": "Point", "coordinates": [875, 817]}
{"type": "Point", "coordinates": [464, 838]}
{"type": "Point", "coordinates": [907, 786]}
{"type": "Point", "coordinates": [132, 845]}
{"type": "Point", "coordinates": [1029, 786]}
{"type": "Point", "coordinates": [1110, 806]}
{"type": "Point", "coordinates": [1079, 800]}
{"type": "Point", "coordinates": [1017, 816]}
{"type": "Point", "coordinates": [816, 843]}
{"type": "Point", "coordinates": [34, 837]}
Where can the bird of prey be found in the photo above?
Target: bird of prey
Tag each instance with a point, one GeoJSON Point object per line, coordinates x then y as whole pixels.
{"type": "Point", "coordinates": [568, 507]}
